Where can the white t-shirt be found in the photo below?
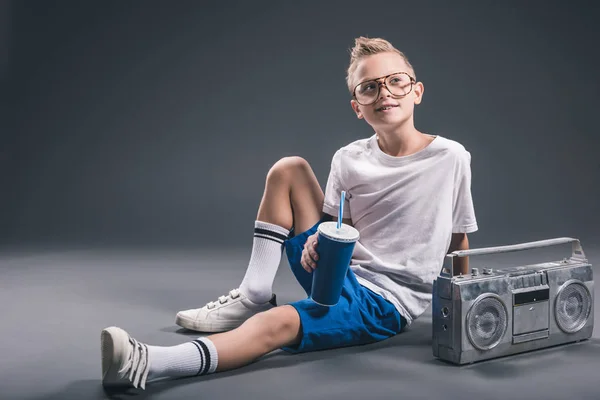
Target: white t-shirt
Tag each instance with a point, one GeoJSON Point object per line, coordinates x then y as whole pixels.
{"type": "Point", "coordinates": [405, 209]}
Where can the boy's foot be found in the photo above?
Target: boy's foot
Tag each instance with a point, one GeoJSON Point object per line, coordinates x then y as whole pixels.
{"type": "Point", "coordinates": [125, 361]}
{"type": "Point", "coordinates": [227, 313]}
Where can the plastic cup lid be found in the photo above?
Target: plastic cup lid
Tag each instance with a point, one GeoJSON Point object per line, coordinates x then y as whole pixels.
{"type": "Point", "coordinates": [346, 233]}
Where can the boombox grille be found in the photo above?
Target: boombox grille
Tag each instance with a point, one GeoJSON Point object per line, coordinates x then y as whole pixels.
{"type": "Point", "coordinates": [487, 322]}
{"type": "Point", "coordinates": [572, 307]}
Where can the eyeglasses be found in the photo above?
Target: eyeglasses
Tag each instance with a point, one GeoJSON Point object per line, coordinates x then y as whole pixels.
{"type": "Point", "coordinates": [398, 84]}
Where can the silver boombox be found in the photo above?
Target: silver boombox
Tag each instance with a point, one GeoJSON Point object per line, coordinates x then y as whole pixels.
{"type": "Point", "coordinates": [494, 313]}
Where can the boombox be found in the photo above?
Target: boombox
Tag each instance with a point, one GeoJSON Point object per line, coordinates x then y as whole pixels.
{"type": "Point", "coordinates": [514, 309]}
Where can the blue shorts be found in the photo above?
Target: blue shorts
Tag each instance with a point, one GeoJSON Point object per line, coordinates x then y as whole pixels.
{"type": "Point", "coordinates": [360, 317]}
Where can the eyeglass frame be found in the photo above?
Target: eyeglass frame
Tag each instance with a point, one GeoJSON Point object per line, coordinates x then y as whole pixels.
{"type": "Point", "coordinates": [382, 83]}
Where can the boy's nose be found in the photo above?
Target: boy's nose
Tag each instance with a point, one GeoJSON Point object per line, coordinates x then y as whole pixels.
{"type": "Point", "coordinates": [384, 92]}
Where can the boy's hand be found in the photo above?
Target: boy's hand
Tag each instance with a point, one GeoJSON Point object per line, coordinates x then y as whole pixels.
{"type": "Point", "coordinates": [309, 254]}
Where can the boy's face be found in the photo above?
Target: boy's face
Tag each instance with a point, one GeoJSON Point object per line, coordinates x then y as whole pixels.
{"type": "Point", "coordinates": [387, 109]}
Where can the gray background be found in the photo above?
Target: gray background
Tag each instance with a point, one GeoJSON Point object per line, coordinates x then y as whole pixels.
{"type": "Point", "coordinates": [154, 123]}
{"type": "Point", "coordinates": [136, 137]}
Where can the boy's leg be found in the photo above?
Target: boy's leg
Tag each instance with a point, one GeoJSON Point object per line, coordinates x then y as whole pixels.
{"type": "Point", "coordinates": [292, 199]}
{"type": "Point", "coordinates": [292, 195]}
{"type": "Point", "coordinates": [360, 317]}
{"type": "Point", "coordinates": [125, 361]}
{"type": "Point", "coordinates": [257, 336]}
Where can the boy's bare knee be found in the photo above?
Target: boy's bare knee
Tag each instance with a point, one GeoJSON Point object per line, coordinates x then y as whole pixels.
{"type": "Point", "coordinates": [283, 326]}
{"type": "Point", "coordinates": [286, 167]}
{"type": "Point", "coordinates": [294, 162]}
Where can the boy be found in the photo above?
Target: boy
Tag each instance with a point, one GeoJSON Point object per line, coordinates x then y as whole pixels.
{"type": "Point", "coordinates": [408, 194]}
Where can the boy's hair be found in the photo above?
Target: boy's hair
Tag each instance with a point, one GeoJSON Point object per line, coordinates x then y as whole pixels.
{"type": "Point", "coordinates": [364, 47]}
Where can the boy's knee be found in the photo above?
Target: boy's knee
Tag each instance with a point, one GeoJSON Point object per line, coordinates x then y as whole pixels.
{"type": "Point", "coordinates": [287, 166]}
{"type": "Point", "coordinates": [294, 162]}
{"type": "Point", "coordinates": [283, 325]}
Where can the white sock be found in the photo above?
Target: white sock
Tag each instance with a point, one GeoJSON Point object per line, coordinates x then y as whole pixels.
{"type": "Point", "coordinates": [198, 357]}
{"type": "Point", "coordinates": [267, 247]}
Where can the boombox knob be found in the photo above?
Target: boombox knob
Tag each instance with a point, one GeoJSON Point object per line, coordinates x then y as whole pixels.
{"type": "Point", "coordinates": [474, 271]}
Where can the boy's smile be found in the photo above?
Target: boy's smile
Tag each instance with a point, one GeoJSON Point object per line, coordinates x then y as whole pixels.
{"type": "Point", "coordinates": [386, 107]}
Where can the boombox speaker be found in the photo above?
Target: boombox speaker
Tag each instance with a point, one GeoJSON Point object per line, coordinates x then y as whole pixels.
{"type": "Point", "coordinates": [511, 310]}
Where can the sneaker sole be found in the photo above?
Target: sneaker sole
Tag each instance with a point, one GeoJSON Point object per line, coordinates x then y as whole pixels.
{"type": "Point", "coordinates": [112, 341]}
{"type": "Point", "coordinates": [206, 326]}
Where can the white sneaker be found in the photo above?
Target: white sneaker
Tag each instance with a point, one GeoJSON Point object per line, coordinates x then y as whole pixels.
{"type": "Point", "coordinates": [227, 313]}
{"type": "Point", "coordinates": [125, 361]}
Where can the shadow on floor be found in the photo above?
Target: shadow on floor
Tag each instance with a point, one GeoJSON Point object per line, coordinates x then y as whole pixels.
{"type": "Point", "coordinates": [418, 340]}
{"type": "Point", "coordinates": [514, 365]}
{"type": "Point", "coordinates": [92, 389]}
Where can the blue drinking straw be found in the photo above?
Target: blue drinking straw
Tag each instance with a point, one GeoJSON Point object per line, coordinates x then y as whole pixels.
{"type": "Point", "coordinates": [341, 211]}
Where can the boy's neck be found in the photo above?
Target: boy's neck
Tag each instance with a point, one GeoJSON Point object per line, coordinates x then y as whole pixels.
{"type": "Point", "coordinates": [402, 141]}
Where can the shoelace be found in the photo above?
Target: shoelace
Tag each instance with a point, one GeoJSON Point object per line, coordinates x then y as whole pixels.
{"type": "Point", "coordinates": [137, 366]}
{"type": "Point", "coordinates": [233, 294]}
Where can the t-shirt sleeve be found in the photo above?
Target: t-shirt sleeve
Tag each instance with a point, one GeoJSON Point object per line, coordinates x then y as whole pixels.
{"type": "Point", "coordinates": [334, 187]}
{"type": "Point", "coordinates": [463, 214]}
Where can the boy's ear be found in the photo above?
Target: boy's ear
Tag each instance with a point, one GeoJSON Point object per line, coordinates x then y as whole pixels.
{"type": "Point", "coordinates": [356, 108]}
{"type": "Point", "coordinates": [418, 89]}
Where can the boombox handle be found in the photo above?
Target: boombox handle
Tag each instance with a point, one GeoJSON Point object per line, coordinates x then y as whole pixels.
{"type": "Point", "coordinates": [577, 251]}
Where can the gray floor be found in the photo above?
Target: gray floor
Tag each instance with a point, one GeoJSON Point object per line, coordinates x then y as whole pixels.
{"type": "Point", "coordinates": [54, 303]}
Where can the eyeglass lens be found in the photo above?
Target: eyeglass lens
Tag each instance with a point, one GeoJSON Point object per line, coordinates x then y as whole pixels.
{"type": "Point", "coordinates": [397, 84]}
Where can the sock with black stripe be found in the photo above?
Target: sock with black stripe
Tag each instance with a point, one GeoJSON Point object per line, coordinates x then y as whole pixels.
{"type": "Point", "coordinates": [198, 357]}
{"type": "Point", "coordinates": [267, 248]}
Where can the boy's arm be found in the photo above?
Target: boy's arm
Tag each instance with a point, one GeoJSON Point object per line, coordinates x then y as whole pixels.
{"type": "Point", "coordinates": [460, 241]}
